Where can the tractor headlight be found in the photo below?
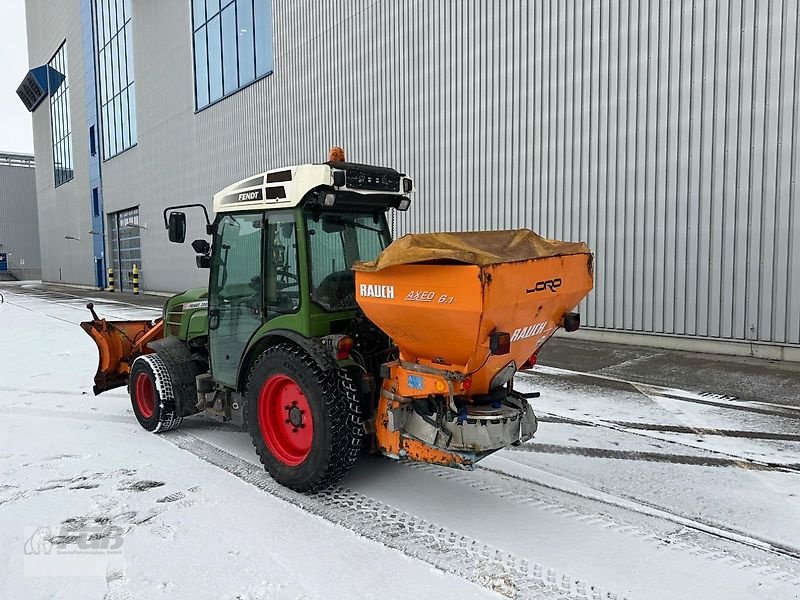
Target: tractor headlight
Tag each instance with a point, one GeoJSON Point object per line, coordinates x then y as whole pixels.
{"type": "Point", "coordinates": [404, 203]}
{"type": "Point", "coordinates": [329, 199]}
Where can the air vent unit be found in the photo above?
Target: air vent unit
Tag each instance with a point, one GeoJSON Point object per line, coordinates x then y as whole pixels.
{"type": "Point", "coordinates": [34, 89]}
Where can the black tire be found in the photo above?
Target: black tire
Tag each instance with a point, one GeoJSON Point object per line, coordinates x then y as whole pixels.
{"type": "Point", "coordinates": [335, 442]}
{"type": "Point", "coordinates": [152, 397]}
{"type": "Point", "coordinates": [183, 370]}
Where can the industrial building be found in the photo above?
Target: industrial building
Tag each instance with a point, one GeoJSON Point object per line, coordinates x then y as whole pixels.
{"type": "Point", "coordinates": [666, 135]}
{"type": "Point", "coordinates": [19, 221]}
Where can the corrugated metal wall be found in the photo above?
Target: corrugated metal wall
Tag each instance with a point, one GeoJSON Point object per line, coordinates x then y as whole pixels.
{"type": "Point", "coordinates": [664, 133]}
{"type": "Point", "coordinates": [19, 226]}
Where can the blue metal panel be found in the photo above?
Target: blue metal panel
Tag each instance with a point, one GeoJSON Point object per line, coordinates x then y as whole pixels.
{"type": "Point", "coordinates": [95, 191]}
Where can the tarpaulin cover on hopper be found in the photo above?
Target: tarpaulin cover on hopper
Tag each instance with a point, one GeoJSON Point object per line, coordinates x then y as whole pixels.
{"type": "Point", "coordinates": [474, 247]}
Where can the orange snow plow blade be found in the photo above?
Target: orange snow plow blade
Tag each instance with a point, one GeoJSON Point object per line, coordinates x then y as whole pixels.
{"type": "Point", "coordinates": [119, 343]}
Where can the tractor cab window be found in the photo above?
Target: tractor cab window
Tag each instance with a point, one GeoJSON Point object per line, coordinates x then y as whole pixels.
{"type": "Point", "coordinates": [282, 283]}
{"type": "Point", "coordinates": [254, 277]}
{"type": "Point", "coordinates": [336, 240]}
{"type": "Point", "coordinates": [234, 299]}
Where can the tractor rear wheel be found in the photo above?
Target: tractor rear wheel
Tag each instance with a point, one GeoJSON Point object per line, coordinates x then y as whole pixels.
{"type": "Point", "coordinates": [152, 396]}
{"type": "Point", "coordinates": [304, 422]}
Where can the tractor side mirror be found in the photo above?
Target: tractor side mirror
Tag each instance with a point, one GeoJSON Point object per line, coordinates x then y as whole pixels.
{"type": "Point", "coordinates": [177, 227]}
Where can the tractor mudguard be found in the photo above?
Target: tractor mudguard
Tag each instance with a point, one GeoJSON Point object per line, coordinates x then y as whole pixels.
{"type": "Point", "coordinates": [316, 351]}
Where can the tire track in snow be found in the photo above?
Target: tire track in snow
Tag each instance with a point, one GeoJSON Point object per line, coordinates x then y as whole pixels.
{"type": "Point", "coordinates": [651, 433]}
{"type": "Point", "coordinates": [55, 413]}
{"type": "Point", "coordinates": [446, 550]}
{"type": "Point", "coordinates": [582, 490]}
{"type": "Point", "coordinates": [703, 398]}
{"type": "Point", "coordinates": [198, 424]}
{"type": "Point", "coordinates": [641, 455]}
{"type": "Point", "coordinates": [737, 433]}
{"type": "Point", "coordinates": [518, 489]}
{"type": "Point", "coordinates": [662, 428]}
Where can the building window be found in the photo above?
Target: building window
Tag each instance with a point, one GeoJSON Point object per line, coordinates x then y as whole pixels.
{"type": "Point", "coordinates": [232, 46]}
{"type": "Point", "coordinates": [115, 75]}
{"type": "Point", "coordinates": [60, 124]}
{"type": "Point", "coordinates": [92, 142]}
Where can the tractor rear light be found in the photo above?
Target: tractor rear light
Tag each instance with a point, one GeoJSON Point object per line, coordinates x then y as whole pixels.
{"type": "Point", "coordinates": [404, 203]}
{"type": "Point", "coordinates": [531, 362]}
{"type": "Point", "coordinates": [499, 342]}
{"type": "Point", "coordinates": [343, 348]}
{"type": "Point", "coordinates": [466, 385]}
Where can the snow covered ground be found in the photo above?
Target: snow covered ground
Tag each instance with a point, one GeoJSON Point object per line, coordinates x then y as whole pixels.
{"type": "Point", "coordinates": [627, 491]}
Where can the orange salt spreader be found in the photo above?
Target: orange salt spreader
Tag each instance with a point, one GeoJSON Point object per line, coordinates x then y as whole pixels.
{"type": "Point", "coordinates": [466, 311]}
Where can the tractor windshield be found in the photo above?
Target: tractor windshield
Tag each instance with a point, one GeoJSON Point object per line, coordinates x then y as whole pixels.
{"type": "Point", "coordinates": [336, 240]}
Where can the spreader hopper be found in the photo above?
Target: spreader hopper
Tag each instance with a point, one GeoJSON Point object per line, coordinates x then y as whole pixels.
{"type": "Point", "coordinates": [445, 299]}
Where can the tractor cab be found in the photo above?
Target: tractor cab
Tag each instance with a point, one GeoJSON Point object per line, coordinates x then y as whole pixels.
{"type": "Point", "coordinates": [284, 244]}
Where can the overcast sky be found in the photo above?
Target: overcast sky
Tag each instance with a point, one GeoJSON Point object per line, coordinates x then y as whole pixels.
{"type": "Point", "coordinates": [15, 120]}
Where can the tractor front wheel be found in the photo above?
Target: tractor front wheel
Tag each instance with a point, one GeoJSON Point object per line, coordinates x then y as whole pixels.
{"type": "Point", "coordinates": [152, 396]}
{"type": "Point", "coordinates": [304, 422]}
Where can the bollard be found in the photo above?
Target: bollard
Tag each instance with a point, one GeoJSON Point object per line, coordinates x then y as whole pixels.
{"type": "Point", "coordinates": [110, 287]}
{"type": "Point", "coordinates": [135, 280]}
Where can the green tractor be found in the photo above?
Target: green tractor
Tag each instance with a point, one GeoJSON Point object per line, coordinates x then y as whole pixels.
{"type": "Point", "coordinates": [271, 343]}
{"type": "Point", "coordinates": [281, 343]}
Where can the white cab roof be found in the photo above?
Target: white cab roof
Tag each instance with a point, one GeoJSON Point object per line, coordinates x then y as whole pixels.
{"type": "Point", "coordinates": [286, 187]}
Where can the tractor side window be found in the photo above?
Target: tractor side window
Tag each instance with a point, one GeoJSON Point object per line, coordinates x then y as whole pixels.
{"type": "Point", "coordinates": [282, 283]}
{"type": "Point", "coordinates": [332, 283]}
{"type": "Point", "coordinates": [369, 244]}
{"type": "Point", "coordinates": [238, 257]}
{"type": "Point", "coordinates": [337, 240]}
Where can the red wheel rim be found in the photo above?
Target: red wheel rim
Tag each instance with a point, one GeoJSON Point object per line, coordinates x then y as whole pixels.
{"type": "Point", "coordinates": [145, 395]}
{"type": "Point", "coordinates": [284, 416]}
